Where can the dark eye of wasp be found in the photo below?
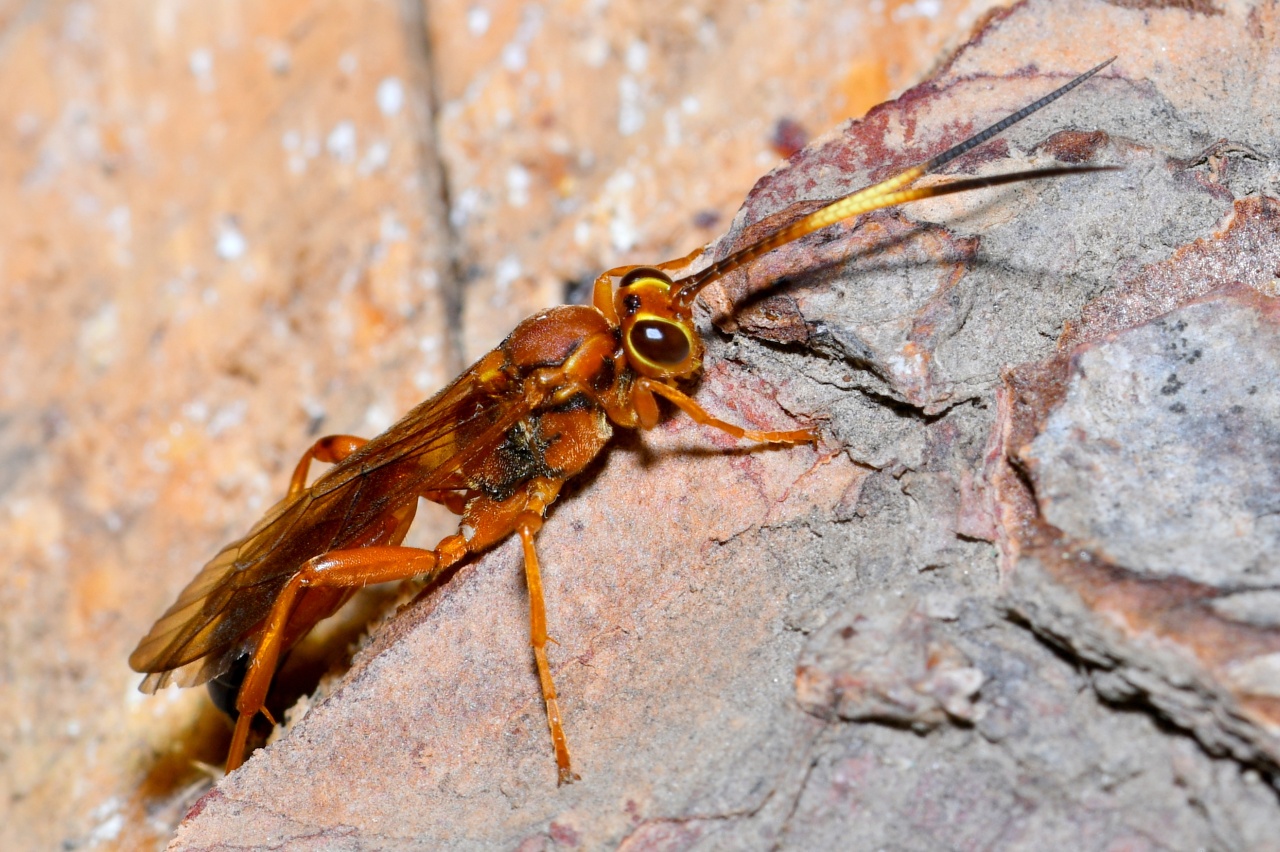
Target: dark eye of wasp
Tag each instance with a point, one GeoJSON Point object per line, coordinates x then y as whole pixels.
{"type": "Point", "coordinates": [660, 342]}
{"type": "Point", "coordinates": [642, 272]}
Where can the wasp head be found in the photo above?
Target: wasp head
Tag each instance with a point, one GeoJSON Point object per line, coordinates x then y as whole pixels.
{"type": "Point", "coordinates": [657, 333]}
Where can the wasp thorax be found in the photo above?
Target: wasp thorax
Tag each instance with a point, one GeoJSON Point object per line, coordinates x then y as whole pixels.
{"type": "Point", "coordinates": [657, 334]}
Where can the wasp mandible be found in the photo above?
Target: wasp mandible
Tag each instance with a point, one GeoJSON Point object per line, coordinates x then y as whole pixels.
{"type": "Point", "coordinates": [495, 446]}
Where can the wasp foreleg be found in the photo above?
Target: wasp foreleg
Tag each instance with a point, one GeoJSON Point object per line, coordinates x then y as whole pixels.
{"type": "Point", "coordinates": [700, 415]}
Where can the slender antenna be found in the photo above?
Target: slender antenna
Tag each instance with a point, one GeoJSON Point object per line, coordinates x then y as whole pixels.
{"type": "Point", "coordinates": [890, 192]}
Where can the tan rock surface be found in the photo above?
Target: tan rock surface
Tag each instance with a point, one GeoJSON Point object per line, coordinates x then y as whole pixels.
{"type": "Point", "coordinates": [1142, 723]}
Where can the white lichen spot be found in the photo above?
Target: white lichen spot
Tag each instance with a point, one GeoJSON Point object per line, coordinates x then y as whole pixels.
{"type": "Point", "coordinates": [79, 25]}
{"type": "Point", "coordinates": [154, 455]}
{"type": "Point", "coordinates": [99, 337]}
{"type": "Point", "coordinates": [314, 409]}
{"type": "Point", "coordinates": [375, 158]}
{"type": "Point", "coordinates": [230, 243]}
{"type": "Point", "coordinates": [671, 127]}
{"type": "Point", "coordinates": [200, 64]}
{"type": "Point", "coordinates": [581, 234]}
{"type": "Point", "coordinates": [377, 419]}
{"type": "Point", "coordinates": [708, 35]}
{"type": "Point", "coordinates": [279, 59]}
{"type": "Point", "coordinates": [505, 274]}
{"type": "Point", "coordinates": [390, 96]}
{"type": "Point", "coordinates": [478, 20]}
{"type": "Point", "coordinates": [465, 205]}
{"type": "Point", "coordinates": [637, 57]}
{"type": "Point", "coordinates": [120, 224]}
{"type": "Point", "coordinates": [919, 9]}
{"type": "Point", "coordinates": [391, 229]}
{"type": "Point", "coordinates": [515, 56]}
{"type": "Point", "coordinates": [518, 181]}
{"type": "Point", "coordinates": [195, 410]}
{"type": "Point", "coordinates": [111, 821]}
{"type": "Point", "coordinates": [228, 417]}
{"type": "Point", "coordinates": [690, 105]}
{"type": "Point", "coordinates": [341, 142]}
{"type": "Point", "coordinates": [630, 112]}
{"type": "Point", "coordinates": [622, 230]}
{"type": "Point", "coordinates": [348, 63]}
{"type": "Point", "coordinates": [291, 142]}
{"type": "Point", "coordinates": [594, 52]}
{"type": "Point", "coordinates": [622, 233]}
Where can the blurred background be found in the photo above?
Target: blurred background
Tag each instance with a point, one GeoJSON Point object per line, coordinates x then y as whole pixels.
{"type": "Point", "coordinates": [226, 228]}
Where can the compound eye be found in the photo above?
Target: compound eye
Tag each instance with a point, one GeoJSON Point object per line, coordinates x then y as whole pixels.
{"type": "Point", "coordinates": [642, 272]}
{"type": "Point", "coordinates": [659, 342]}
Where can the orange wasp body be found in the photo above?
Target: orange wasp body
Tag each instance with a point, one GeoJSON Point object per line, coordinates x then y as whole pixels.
{"type": "Point", "coordinates": [495, 446]}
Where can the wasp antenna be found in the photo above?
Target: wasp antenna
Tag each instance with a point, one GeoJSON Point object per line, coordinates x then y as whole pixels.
{"type": "Point", "coordinates": [1003, 124]}
{"type": "Point", "coordinates": [919, 193]}
{"type": "Point", "coordinates": [887, 193]}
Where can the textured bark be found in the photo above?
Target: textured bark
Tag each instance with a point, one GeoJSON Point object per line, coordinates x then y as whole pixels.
{"type": "Point", "coordinates": [1021, 596]}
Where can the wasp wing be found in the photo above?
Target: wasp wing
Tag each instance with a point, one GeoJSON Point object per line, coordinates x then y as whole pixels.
{"type": "Point", "coordinates": [213, 620]}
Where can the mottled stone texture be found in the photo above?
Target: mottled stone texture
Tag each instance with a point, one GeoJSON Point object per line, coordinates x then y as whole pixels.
{"type": "Point", "coordinates": [1021, 595]}
{"type": "Point", "coordinates": [228, 227]}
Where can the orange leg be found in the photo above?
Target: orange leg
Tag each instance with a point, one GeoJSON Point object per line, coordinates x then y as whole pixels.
{"type": "Point", "coordinates": [361, 566]}
{"type": "Point", "coordinates": [700, 415]}
{"type": "Point", "coordinates": [330, 450]}
{"type": "Point", "coordinates": [353, 568]}
{"type": "Point", "coordinates": [453, 500]}
{"type": "Point", "coordinates": [523, 513]}
{"type": "Point", "coordinates": [529, 526]}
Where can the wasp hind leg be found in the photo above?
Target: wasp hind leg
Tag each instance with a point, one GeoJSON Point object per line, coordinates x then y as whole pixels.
{"type": "Point", "coordinates": [538, 638]}
{"type": "Point", "coordinates": [487, 522]}
{"type": "Point", "coordinates": [522, 513]}
{"type": "Point", "coordinates": [339, 569]}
